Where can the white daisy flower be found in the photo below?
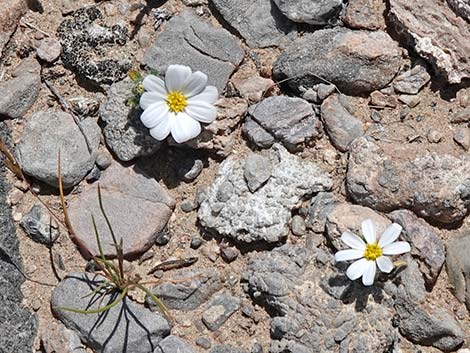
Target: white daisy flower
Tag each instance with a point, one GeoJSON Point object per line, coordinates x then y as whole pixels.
{"type": "Point", "coordinates": [177, 105]}
{"type": "Point", "coordinates": [371, 254]}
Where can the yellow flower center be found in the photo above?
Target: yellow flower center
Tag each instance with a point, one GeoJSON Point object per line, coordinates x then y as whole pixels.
{"type": "Point", "coordinates": [373, 251]}
{"type": "Point", "coordinates": [176, 101]}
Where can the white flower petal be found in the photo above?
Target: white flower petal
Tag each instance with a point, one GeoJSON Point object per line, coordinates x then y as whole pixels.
{"type": "Point", "coordinates": [390, 234]}
{"type": "Point", "coordinates": [195, 84]}
{"type": "Point", "coordinates": [176, 77]}
{"type": "Point", "coordinates": [154, 114]}
{"type": "Point", "coordinates": [353, 241]}
{"type": "Point", "coordinates": [385, 264]}
{"type": "Point", "coordinates": [400, 247]}
{"type": "Point", "coordinates": [201, 111]}
{"type": "Point", "coordinates": [209, 95]}
{"type": "Point", "coordinates": [369, 273]}
{"type": "Point", "coordinates": [356, 269]}
{"type": "Point", "coordinates": [368, 231]}
{"type": "Point", "coordinates": [155, 84]}
{"type": "Point", "coordinates": [184, 128]}
{"type": "Point", "coordinates": [349, 254]}
{"type": "Point", "coordinates": [162, 130]}
{"type": "Point", "coordinates": [149, 98]}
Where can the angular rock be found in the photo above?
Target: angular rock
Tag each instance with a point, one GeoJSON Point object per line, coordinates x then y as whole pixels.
{"type": "Point", "coordinates": [317, 302]}
{"type": "Point", "coordinates": [342, 127]}
{"type": "Point", "coordinates": [126, 327]}
{"type": "Point", "coordinates": [379, 99]}
{"type": "Point", "coordinates": [219, 310]}
{"type": "Point", "coordinates": [312, 12]}
{"type": "Point", "coordinates": [435, 328]}
{"type": "Point", "coordinates": [188, 40]}
{"type": "Point", "coordinates": [320, 207]}
{"type": "Point", "coordinates": [194, 287]}
{"type": "Point", "coordinates": [232, 210]}
{"type": "Point", "coordinates": [49, 50]}
{"type": "Point", "coordinates": [250, 84]}
{"type": "Point", "coordinates": [462, 137]}
{"type": "Point", "coordinates": [256, 134]}
{"type": "Point", "coordinates": [10, 13]}
{"type": "Point", "coordinates": [257, 171]}
{"type": "Point", "coordinates": [39, 225]}
{"type": "Point", "coordinates": [390, 176]}
{"type": "Point", "coordinates": [18, 95]}
{"type": "Point", "coordinates": [426, 244]}
{"type": "Point", "coordinates": [88, 45]}
{"type": "Point", "coordinates": [365, 14]}
{"type": "Point", "coordinates": [124, 133]}
{"type": "Point", "coordinates": [291, 121]}
{"type": "Point", "coordinates": [47, 132]}
{"type": "Point", "coordinates": [347, 217]}
{"type": "Point", "coordinates": [259, 22]}
{"type": "Point", "coordinates": [458, 267]}
{"type": "Point", "coordinates": [436, 33]}
{"type": "Point", "coordinates": [355, 61]}
{"type": "Point", "coordinates": [136, 205]}
{"type": "Point", "coordinates": [461, 8]}
{"type": "Point", "coordinates": [412, 80]}
{"type": "Point", "coordinates": [172, 344]}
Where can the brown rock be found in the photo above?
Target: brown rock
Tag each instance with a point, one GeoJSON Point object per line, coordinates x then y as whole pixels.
{"type": "Point", "coordinates": [436, 33]}
{"type": "Point", "coordinates": [137, 206]}
{"type": "Point", "coordinates": [10, 13]}
{"type": "Point", "coordinates": [250, 85]}
{"type": "Point", "coordinates": [462, 116]}
{"type": "Point", "coordinates": [462, 137]}
{"type": "Point", "coordinates": [379, 99]}
{"type": "Point", "coordinates": [365, 14]}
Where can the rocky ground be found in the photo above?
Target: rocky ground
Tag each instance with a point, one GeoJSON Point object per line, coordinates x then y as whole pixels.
{"type": "Point", "coordinates": [330, 112]}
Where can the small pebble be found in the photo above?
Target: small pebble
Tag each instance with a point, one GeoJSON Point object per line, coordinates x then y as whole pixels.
{"type": "Point", "coordinates": [375, 116]}
{"type": "Point", "coordinates": [49, 50]}
{"type": "Point", "coordinates": [196, 243]}
{"type": "Point", "coordinates": [146, 256]}
{"type": "Point", "coordinates": [462, 137]}
{"type": "Point", "coordinates": [93, 175]}
{"type": "Point", "coordinates": [17, 216]}
{"type": "Point", "coordinates": [103, 160]}
{"type": "Point", "coordinates": [188, 206]}
{"type": "Point", "coordinates": [194, 172]}
{"type": "Point", "coordinates": [211, 251]}
{"type": "Point", "coordinates": [204, 342]}
{"type": "Point", "coordinates": [230, 254]}
{"type": "Point", "coordinates": [15, 197]}
{"type": "Point", "coordinates": [257, 348]}
{"type": "Point", "coordinates": [163, 238]}
{"type": "Point", "coordinates": [434, 136]}
{"type": "Point", "coordinates": [298, 226]}
{"type": "Point", "coordinates": [36, 304]}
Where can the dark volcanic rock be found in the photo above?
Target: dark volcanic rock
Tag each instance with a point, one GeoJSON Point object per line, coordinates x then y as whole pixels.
{"type": "Point", "coordinates": [313, 12]}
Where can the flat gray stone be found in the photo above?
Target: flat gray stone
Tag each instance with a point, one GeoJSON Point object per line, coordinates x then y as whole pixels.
{"type": "Point", "coordinates": [124, 133]}
{"type": "Point", "coordinates": [411, 81]}
{"type": "Point", "coordinates": [257, 171]}
{"type": "Point", "coordinates": [231, 209]}
{"type": "Point", "coordinates": [458, 267]}
{"type": "Point", "coordinates": [219, 310]}
{"type": "Point", "coordinates": [18, 95]}
{"type": "Point", "coordinates": [320, 207]}
{"type": "Point", "coordinates": [173, 344]}
{"type": "Point", "coordinates": [48, 132]}
{"type": "Point", "coordinates": [126, 327]}
{"type": "Point", "coordinates": [188, 40]}
{"type": "Point", "coordinates": [355, 61]}
{"type": "Point", "coordinates": [290, 121]}
{"type": "Point", "coordinates": [136, 205]}
{"type": "Point", "coordinates": [342, 126]}
{"type": "Point", "coordinates": [318, 12]}
{"type": "Point", "coordinates": [259, 22]}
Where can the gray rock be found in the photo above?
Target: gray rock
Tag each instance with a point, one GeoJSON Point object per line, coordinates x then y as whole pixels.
{"type": "Point", "coordinates": [124, 133]}
{"type": "Point", "coordinates": [435, 328]}
{"type": "Point", "coordinates": [189, 169]}
{"type": "Point", "coordinates": [365, 14]}
{"type": "Point", "coordinates": [324, 91]}
{"type": "Point", "coordinates": [49, 49]}
{"type": "Point", "coordinates": [259, 22]}
{"type": "Point", "coordinates": [10, 14]}
{"type": "Point", "coordinates": [355, 61]}
{"type": "Point", "coordinates": [19, 94]}
{"type": "Point", "coordinates": [307, 317]}
{"type": "Point", "coordinates": [290, 121]}
{"type": "Point", "coordinates": [194, 287]}
{"type": "Point", "coordinates": [257, 171]}
{"type": "Point", "coordinates": [342, 127]}
{"type": "Point", "coordinates": [462, 137]}
{"type": "Point", "coordinates": [234, 211]}
{"type": "Point", "coordinates": [320, 207]}
{"type": "Point", "coordinates": [196, 242]}
{"type": "Point", "coordinates": [126, 327]}
{"type": "Point", "coordinates": [298, 226]}
{"type": "Point", "coordinates": [18, 325]}
{"type": "Point", "coordinates": [48, 132]}
{"type": "Point", "coordinates": [426, 244]}
{"type": "Point", "coordinates": [312, 12]}
{"type": "Point", "coordinates": [461, 8]}
{"type": "Point", "coordinates": [188, 40]}
{"type": "Point", "coordinates": [93, 175]}
{"type": "Point", "coordinates": [458, 267]}
{"type": "Point", "coordinates": [204, 342]}
{"type": "Point", "coordinates": [227, 349]}
{"type": "Point", "coordinates": [412, 80]}
{"type": "Point", "coordinates": [259, 136]}
{"type": "Point", "coordinates": [173, 344]}
{"type": "Point", "coordinates": [219, 310]}
{"type": "Point", "coordinates": [391, 176]}
{"type": "Point", "coordinates": [103, 160]}
{"type": "Point", "coordinates": [39, 225]}
{"type": "Point", "coordinates": [229, 254]}
{"type": "Point", "coordinates": [136, 205]}
{"type": "Point", "coordinates": [427, 30]}
{"type": "Point", "coordinates": [28, 65]}
{"type": "Point", "coordinates": [462, 116]}
{"type": "Point", "coordinates": [88, 46]}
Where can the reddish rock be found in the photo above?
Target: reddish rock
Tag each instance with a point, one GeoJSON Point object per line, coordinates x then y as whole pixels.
{"type": "Point", "coordinates": [365, 14]}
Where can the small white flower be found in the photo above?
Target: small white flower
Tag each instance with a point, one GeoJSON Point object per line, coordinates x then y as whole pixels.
{"type": "Point", "coordinates": [371, 253]}
{"type": "Point", "coordinates": [178, 104]}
